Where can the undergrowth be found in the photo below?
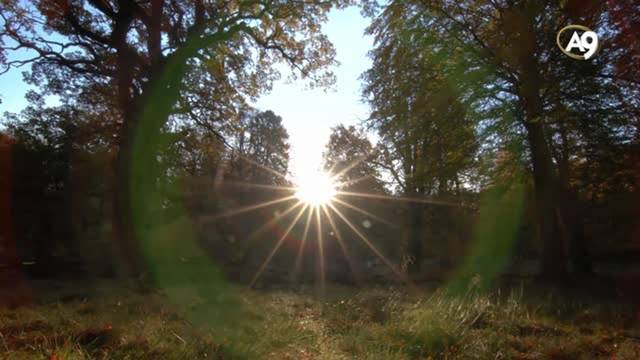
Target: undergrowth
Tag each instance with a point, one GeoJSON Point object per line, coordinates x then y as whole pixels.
{"type": "Point", "coordinates": [113, 322]}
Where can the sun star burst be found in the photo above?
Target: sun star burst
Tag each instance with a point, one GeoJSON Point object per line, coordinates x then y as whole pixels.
{"type": "Point", "coordinates": [319, 194]}
{"type": "Point", "coordinates": [315, 188]}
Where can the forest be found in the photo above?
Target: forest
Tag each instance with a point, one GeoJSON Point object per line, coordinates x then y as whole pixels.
{"type": "Point", "coordinates": [487, 206]}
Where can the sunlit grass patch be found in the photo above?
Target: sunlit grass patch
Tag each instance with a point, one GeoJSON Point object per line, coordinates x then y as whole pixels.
{"type": "Point", "coordinates": [113, 324]}
{"type": "Point", "coordinates": [472, 325]}
{"type": "Point", "coordinates": [346, 323]}
{"type": "Point", "coordinates": [433, 326]}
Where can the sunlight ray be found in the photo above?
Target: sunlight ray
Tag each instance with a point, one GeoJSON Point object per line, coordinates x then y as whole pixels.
{"type": "Point", "coordinates": [353, 181]}
{"type": "Point", "coordinates": [368, 243]}
{"type": "Point", "coordinates": [355, 163]}
{"type": "Point", "coordinates": [272, 221]}
{"type": "Point", "coordinates": [399, 198]}
{"type": "Point", "coordinates": [305, 234]}
{"type": "Point", "coordinates": [263, 167]}
{"type": "Point", "coordinates": [342, 244]}
{"type": "Point", "coordinates": [277, 246]}
{"type": "Point", "coordinates": [259, 186]}
{"type": "Point", "coordinates": [364, 212]}
{"type": "Point", "coordinates": [320, 251]}
{"type": "Point", "coordinates": [332, 168]}
{"type": "Point", "coordinates": [249, 208]}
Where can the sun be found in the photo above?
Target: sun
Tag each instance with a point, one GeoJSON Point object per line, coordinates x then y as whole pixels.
{"type": "Point", "coordinates": [315, 188]}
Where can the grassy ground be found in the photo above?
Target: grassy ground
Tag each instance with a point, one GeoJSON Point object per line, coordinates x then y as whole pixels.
{"type": "Point", "coordinates": [109, 321]}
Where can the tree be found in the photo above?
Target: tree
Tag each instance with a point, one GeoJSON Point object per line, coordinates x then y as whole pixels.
{"type": "Point", "coordinates": [539, 79]}
{"type": "Point", "coordinates": [425, 120]}
{"type": "Point", "coordinates": [352, 159]}
{"type": "Point", "coordinates": [260, 141]}
{"type": "Point", "coordinates": [9, 253]}
{"type": "Point", "coordinates": [531, 90]}
{"type": "Point", "coordinates": [138, 55]}
{"type": "Point", "coordinates": [350, 155]}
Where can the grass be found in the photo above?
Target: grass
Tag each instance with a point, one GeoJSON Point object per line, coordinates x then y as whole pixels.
{"type": "Point", "coordinates": [114, 322]}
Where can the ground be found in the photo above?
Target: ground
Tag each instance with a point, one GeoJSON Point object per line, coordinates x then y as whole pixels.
{"type": "Point", "coordinates": [109, 320]}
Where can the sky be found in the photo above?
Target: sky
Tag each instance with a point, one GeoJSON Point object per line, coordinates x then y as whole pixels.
{"type": "Point", "coordinates": [308, 115]}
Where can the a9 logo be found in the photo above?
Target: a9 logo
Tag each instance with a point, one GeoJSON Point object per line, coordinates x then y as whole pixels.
{"type": "Point", "coordinates": [580, 46]}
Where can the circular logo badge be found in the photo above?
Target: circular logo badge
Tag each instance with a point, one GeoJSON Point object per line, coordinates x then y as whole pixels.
{"type": "Point", "coordinates": [578, 42]}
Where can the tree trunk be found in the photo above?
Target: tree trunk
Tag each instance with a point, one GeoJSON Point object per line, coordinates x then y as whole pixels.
{"type": "Point", "coordinates": [8, 250]}
{"type": "Point", "coordinates": [554, 258]}
{"type": "Point", "coordinates": [416, 237]}
{"type": "Point", "coordinates": [122, 219]}
{"type": "Point", "coordinates": [14, 289]}
{"type": "Point", "coordinates": [144, 115]}
{"type": "Point", "coordinates": [571, 214]}
{"type": "Point", "coordinates": [572, 221]}
{"type": "Point", "coordinates": [580, 256]}
{"type": "Point", "coordinates": [122, 227]}
{"type": "Point", "coordinates": [553, 250]}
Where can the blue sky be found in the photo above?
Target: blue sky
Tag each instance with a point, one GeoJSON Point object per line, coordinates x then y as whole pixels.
{"type": "Point", "coordinates": [307, 114]}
